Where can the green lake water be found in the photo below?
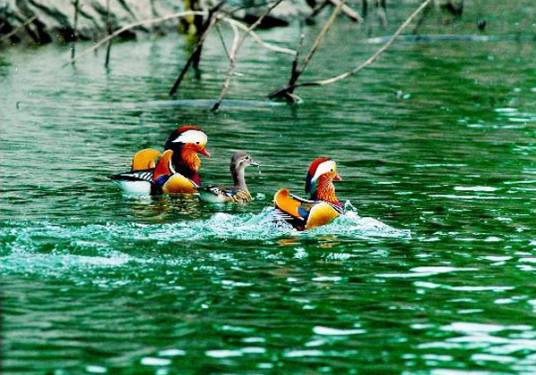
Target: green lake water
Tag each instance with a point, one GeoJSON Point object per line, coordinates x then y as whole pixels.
{"type": "Point", "coordinates": [432, 272]}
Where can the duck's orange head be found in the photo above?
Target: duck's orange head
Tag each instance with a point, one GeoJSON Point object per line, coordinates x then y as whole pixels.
{"type": "Point", "coordinates": [188, 139]}
{"type": "Point", "coordinates": [321, 174]}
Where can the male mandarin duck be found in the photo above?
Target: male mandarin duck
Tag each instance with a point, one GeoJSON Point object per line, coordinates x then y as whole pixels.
{"type": "Point", "coordinates": [239, 192]}
{"type": "Point", "coordinates": [175, 171]}
{"type": "Point", "coordinates": [323, 206]}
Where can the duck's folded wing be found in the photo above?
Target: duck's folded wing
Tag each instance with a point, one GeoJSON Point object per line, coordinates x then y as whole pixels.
{"type": "Point", "coordinates": [220, 194]}
{"type": "Point", "coordinates": [321, 213]}
{"type": "Point", "coordinates": [145, 159]}
{"type": "Point", "coordinates": [142, 175]}
{"type": "Point", "coordinates": [303, 213]}
{"type": "Point", "coordinates": [137, 182]}
{"type": "Point", "coordinates": [176, 184]}
{"type": "Point", "coordinates": [291, 209]}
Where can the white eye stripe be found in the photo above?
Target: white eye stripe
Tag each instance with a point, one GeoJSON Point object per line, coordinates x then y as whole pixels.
{"type": "Point", "coordinates": [325, 167]}
{"type": "Point", "coordinates": [192, 136]}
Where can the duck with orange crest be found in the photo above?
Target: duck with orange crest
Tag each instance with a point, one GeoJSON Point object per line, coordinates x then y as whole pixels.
{"type": "Point", "coordinates": [323, 205]}
{"type": "Point", "coordinates": [175, 171]}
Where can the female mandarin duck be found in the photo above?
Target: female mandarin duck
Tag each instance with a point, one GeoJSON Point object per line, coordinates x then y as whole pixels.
{"type": "Point", "coordinates": [239, 192]}
{"type": "Point", "coordinates": [323, 205]}
{"type": "Point", "coordinates": [175, 171]}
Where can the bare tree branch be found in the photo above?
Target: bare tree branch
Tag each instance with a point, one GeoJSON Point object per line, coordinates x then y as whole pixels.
{"type": "Point", "coordinates": [222, 40]}
{"type": "Point", "coordinates": [349, 12]}
{"type": "Point", "coordinates": [237, 43]}
{"type": "Point", "coordinates": [289, 88]}
{"type": "Point", "coordinates": [256, 37]}
{"type": "Point", "coordinates": [320, 36]}
{"type": "Point", "coordinates": [131, 26]}
{"type": "Point", "coordinates": [296, 70]}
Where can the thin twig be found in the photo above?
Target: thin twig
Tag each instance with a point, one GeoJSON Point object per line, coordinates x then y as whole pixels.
{"type": "Point", "coordinates": [294, 73]}
{"type": "Point", "coordinates": [317, 9]}
{"type": "Point", "coordinates": [421, 19]}
{"type": "Point", "coordinates": [357, 69]}
{"type": "Point", "coordinates": [297, 71]}
{"type": "Point", "coordinates": [75, 30]}
{"type": "Point", "coordinates": [320, 36]}
{"type": "Point", "coordinates": [348, 12]}
{"type": "Point", "coordinates": [14, 31]}
{"type": "Point", "coordinates": [380, 9]}
{"type": "Point", "coordinates": [256, 37]}
{"type": "Point", "coordinates": [133, 25]}
{"type": "Point", "coordinates": [222, 40]}
{"type": "Point", "coordinates": [237, 43]}
{"type": "Point", "coordinates": [109, 30]}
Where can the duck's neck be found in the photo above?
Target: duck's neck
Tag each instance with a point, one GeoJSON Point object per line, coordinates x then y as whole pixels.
{"type": "Point", "coordinates": [325, 191]}
{"type": "Point", "coordinates": [239, 178]}
{"type": "Point", "coordinates": [187, 163]}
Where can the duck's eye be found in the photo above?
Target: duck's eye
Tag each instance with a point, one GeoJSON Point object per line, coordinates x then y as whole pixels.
{"type": "Point", "coordinates": [197, 142]}
{"type": "Point", "coordinates": [331, 170]}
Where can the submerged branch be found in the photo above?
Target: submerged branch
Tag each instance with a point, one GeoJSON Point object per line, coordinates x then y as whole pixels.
{"type": "Point", "coordinates": [290, 88]}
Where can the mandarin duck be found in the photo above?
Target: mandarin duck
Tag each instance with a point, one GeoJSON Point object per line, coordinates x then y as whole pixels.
{"type": "Point", "coordinates": [238, 193]}
{"type": "Point", "coordinates": [323, 205]}
{"type": "Point", "coordinates": [175, 171]}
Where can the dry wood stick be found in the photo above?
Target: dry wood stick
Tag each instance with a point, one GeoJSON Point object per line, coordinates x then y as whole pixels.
{"type": "Point", "coordinates": [133, 25]}
{"type": "Point", "coordinates": [237, 43]}
{"type": "Point", "coordinates": [357, 69]}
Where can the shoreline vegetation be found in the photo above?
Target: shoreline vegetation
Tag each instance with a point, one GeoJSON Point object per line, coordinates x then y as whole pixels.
{"type": "Point", "coordinates": [106, 20]}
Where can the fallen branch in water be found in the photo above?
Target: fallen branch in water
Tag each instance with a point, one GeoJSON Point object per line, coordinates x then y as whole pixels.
{"type": "Point", "coordinates": [133, 25]}
{"type": "Point", "coordinates": [14, 31]}
{"type": "Point", "coordinates": [237, 43]}
{"type": "Point", "coordinates": [285, 91]}
{"type": "Point", "coordinates": [196, 53]}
